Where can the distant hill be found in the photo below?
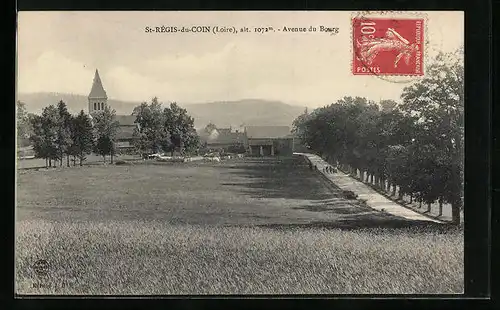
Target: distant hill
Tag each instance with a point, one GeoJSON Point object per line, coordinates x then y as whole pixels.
{"type": "Point", "coordinates": [35, 102]}
{"type": "Point", "coordinates": [255, 112]}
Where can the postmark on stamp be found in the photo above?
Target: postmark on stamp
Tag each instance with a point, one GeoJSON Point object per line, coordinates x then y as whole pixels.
{"type": "Point", "coordinates": [388, 46]}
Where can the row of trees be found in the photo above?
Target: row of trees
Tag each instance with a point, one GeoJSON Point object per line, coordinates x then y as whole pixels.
{"type": "Point", "coordinates": [415, 148]}
{"type": "Point", "coordinates": [56, 134]}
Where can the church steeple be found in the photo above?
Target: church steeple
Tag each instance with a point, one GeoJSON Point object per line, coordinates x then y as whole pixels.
{"type": "Point", "coordinates": [97, 97]}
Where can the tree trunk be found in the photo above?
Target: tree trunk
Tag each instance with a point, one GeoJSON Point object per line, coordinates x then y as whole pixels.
{"type": "Point", "coordinates": [104, 158]}
{"type": "Point", "coordinates": [111, 158]}
{"type": "Point", "coordinates": [67, 160]}
{"type": "Point", "coordinates": [428, 207]}
{"type": "Point", "coordinates": [455, 212]}
{"type": "Point", "coordinates": [420, 203]}
{"type": "Point", "coordinates": [440, 207]}
{"type": "Point", "coordinates": [411, 198]}
{"type": "Point", "coordinates": [50, 162]}
{"type": "Point", "coordinates": [46, 162]}
{"type": "Point", "coordinates": [371, 178]}
{"type": "Point", "coordinates": [81, 161]}
{"type": "Point", "coordinates": [393, 190]}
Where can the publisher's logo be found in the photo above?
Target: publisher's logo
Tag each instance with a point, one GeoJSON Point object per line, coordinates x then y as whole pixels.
{"type": "Point", "coordinates": [41, 267]}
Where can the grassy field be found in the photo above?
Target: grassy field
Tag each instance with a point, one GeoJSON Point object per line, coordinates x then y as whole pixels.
{"type": "Point", "coordinates": [240, 227]}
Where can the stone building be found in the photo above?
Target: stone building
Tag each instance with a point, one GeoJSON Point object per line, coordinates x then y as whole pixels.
{"type": "Point", "coordinates": [98, 99]}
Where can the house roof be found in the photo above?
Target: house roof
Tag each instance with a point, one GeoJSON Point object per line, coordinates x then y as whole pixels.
{"type": "Point", "coordinates": [222, 136]}
{"type": "Point", "coordinates": [267, 132]}
{"type": "Point", "coordinates": [229, 137]}
{"type": "Point", "coordinates": [124, 132]}
{"type": "Point", "coordinates": [97, 90]}
{"type": "Point", "coordinates": [126, 120]}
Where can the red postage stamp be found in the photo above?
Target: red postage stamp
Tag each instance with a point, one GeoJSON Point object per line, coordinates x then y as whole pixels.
{"type": "Point", "coordinates": [388, 46]}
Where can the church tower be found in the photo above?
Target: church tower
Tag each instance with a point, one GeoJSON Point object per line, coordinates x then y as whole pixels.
{"type": "Point", "coordinates": [98, 99]}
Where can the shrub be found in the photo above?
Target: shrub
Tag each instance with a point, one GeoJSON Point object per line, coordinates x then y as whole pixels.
{"type": "Point", "coordinates": [121, 162]}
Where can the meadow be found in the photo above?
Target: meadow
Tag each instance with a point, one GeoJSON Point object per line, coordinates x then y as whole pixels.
{"type": "Point", "coordinates": [249, 226]}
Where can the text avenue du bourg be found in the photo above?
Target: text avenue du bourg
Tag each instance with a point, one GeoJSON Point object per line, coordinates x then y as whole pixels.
{"type": "Point", "coordinates": [232, 29]}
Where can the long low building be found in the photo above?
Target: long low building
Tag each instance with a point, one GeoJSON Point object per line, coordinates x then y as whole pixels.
{"type": "Point", "coordinates": [254, 140]}
{"type": "Point", "coordinates": [269, 140]}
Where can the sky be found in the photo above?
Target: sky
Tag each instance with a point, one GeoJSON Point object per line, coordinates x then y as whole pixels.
{"type": "Point", "coordinates": [60, 51]}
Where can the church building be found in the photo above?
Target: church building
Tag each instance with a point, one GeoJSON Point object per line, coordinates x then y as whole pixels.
{"type": "Point", "coordinates": [98, 101]}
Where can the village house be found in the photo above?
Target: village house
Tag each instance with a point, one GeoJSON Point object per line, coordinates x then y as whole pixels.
{"type": "Point", "coordinates": [227, 139]}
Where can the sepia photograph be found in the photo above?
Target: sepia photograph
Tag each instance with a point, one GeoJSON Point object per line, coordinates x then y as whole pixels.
{"type": "Point", "coordinates": [239, 153]}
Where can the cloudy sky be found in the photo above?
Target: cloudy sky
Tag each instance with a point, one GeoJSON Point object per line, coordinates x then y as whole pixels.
{"type": "Point", "coordinates": [60, 51]}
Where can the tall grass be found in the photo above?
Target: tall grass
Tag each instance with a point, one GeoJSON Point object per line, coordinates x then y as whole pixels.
{"type": "Point", "coordinates": [152, 257]}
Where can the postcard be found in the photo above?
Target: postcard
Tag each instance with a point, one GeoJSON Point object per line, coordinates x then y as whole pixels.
{"type": "Point", "coordinates": [239, 152]}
